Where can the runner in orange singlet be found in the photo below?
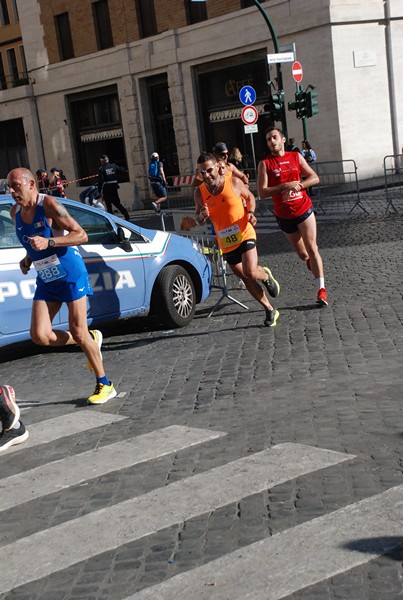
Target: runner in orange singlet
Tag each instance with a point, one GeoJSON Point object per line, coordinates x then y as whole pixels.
{"type": "Point", "coordinates": [230, 206]}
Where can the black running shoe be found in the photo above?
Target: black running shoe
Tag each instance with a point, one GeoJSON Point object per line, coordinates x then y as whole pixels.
{"type": "Point", "coordinates": [9, 411]}
{"type": "Point", "coordinates": [271, 317]}
{"type": "Point", "coordinates": [271, 285]}
{"type": "Point", "coordinates": [12, 437]}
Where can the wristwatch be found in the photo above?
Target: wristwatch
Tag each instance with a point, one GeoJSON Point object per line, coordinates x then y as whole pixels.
{"type": "Point", "coordinates": [51, 243]}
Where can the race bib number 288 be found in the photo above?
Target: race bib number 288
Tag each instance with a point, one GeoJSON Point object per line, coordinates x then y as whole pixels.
{"type": "Point", "coordinates": [49, 268]}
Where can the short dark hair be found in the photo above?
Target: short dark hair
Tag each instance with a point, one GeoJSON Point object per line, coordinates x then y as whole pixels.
{"type": "Point", "coordinates": [206, 156]}
{"type": "Point", "coordinates": [270, 129]}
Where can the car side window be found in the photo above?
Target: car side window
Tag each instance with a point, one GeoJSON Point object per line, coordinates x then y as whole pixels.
{"type": "Point", "coordinates": [98, 227]}
{"type": "Point", "coordinates": [8, 237]}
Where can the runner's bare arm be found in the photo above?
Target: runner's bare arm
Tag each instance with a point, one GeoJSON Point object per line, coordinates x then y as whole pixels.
{"type": "Point", "coordinates": [60, 218]}
{"type": "Point", "coordinates": [202, 212]}
{"type": "Point", "coordinates": [311, 177]}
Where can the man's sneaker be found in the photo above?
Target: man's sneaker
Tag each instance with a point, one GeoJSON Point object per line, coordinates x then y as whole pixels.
{"type": "Point", "coordinates": [155, 206]}
{"type": "Point", "coordinates": [9, 411]}
{"type": "Point", "coordinates": [322, 297]}
{"type": "Point", "coordinates": [271, 317]}
{"type": "Point", "coordinates": [102, 393]}
{"type": "Point", "coordinates": [12, 437]}
{"type": "Point", "coordinates": [98, 337]}
{"type": "Point", "coordinates": [271, 285]}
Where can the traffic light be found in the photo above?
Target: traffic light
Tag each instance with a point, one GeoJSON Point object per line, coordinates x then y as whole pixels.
{"type": "Point", "coordinates": [275, 106]}
{"type": "Point", "coordinates": [311, 104]}
{"type": "Point", "coordinates": [301, 104]}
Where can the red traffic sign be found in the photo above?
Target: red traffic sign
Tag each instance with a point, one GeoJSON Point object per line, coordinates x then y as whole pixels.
{"type": "Point", "coordinates": [297, 72]}
{"type": "Point", "coordinates": [249, 115]}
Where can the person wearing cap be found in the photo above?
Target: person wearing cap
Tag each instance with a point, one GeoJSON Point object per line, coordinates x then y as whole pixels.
{"type": "Point", "coordinates": [220, 151]}
{"type": "Point", "coordinates": [108, 185]}
{"type": "Point", "coordinates": [56, 186]}
{"type": "Point", "coordinates": [158, 180]}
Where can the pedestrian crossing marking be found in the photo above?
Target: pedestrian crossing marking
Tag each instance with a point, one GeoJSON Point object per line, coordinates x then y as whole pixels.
{"type": "Point", "coordinates": [56, 548]}
{"type": "Point", "coordinates": [296, 558]}
{"type": "Point", "coordinates": [51, 430]}
{"type": "Point", "coordinates": [76, 469]}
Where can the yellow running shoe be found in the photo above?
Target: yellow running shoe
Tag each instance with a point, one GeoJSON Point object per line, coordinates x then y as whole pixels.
{"type": "Point", "coordinates": [102, 393]}
{"type": "Point", "coordinates": [98, 337]}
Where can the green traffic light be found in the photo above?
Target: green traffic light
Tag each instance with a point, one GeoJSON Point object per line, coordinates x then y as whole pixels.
{"type": "Point", "coordinates": [312, 104]}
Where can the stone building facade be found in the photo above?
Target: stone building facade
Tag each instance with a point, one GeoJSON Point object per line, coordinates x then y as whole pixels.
{"type": "Point", "coordinates": [127, 78]}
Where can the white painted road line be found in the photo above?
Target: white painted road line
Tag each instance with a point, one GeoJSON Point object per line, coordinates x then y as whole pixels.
{"type": "Point", "coordinates": [73, 470]}
{"type": "Point", "coordinates": [56, 548]}
{"type": "Point", "coordinates": [296, 558]}
{"type": "Point", "coordinates": [59, 427]}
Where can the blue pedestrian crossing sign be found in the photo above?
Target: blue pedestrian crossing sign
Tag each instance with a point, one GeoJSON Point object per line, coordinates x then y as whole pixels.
{"type": "Point", "coordinates": [247, 95]}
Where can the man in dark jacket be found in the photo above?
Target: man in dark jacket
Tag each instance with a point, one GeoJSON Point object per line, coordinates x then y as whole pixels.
{"type": "Point", "coordinates": [108, 185]}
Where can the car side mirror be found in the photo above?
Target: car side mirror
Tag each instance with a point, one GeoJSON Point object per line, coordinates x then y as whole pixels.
{"type": "Point", "coordinates": [124, 238]}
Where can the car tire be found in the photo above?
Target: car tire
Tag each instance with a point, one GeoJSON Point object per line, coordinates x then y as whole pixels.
{"type": "Point", "coordinates": [174, 298]}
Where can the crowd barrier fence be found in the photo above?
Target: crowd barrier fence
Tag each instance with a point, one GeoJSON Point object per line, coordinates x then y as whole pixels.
{"type": "Point", "coordinates": [393, 172]}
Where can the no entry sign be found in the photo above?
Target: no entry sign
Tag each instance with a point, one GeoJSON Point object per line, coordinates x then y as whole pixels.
{"type": "Point", "coordinates": [297, 72]}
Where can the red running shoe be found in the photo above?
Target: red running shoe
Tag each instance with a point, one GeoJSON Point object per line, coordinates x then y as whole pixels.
{"type": "Point", "coordinates": [322, 297]}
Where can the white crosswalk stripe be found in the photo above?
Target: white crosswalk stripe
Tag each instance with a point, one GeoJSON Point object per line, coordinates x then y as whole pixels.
{"type": "Point", "coordinates": [69, 471]}
{"type": "Point", "coordinates": [57, 428]}
{"type": "Point", "coordinates": [296, 558]}
{"type": "Point", "coordinates": [56, 548]}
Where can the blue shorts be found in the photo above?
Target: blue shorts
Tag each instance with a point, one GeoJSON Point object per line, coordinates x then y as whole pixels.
{"type": "Point", "coordinates": [63, 291]}
{"type": "Point", "coordinates": [159, 190]}
{"type": "Point", "coordinates": [291, 225]}
{"type": "Point", "coordinates": [234, 257]}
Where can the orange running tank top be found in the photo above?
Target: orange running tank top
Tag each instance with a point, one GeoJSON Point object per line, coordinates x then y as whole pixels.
{"type": "Point", "coordinates": [228, 215]}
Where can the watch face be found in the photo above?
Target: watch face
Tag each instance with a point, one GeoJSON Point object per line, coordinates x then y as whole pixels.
{"type": "Point", "coordinates": [51, 243]}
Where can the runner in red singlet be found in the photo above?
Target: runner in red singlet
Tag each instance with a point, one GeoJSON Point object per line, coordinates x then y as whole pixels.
{"type": "Point", "coordinates": [279, 177]}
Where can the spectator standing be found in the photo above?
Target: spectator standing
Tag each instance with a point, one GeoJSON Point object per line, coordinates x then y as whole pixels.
{"type": "Point", "coordinates": [235, 158]}
{"type": "Point", "coordinates": [56, 186]}
{"type": "Point", "coordinates": [291, 147]}
{"type": "Point", "coordinates": [43, 181]}
{"type": "Point", "coordinates": [158, 180]}
{"type": "Point", "coordinates": [108, 185]}
{"type": "Point", "coordinates": [308, 152]}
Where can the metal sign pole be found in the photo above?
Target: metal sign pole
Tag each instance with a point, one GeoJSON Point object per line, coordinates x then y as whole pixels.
{"type": "Point", "coordinates": [253, 153]}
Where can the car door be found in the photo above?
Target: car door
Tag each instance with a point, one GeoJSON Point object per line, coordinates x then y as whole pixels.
{"type": "Point", "coordinates": [116, 274]}
{"type": "Point", "coordinates": [16, 289]}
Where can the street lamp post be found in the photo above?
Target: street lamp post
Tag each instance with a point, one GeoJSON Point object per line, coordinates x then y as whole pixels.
{"type": "Point", "coordinates": [278, 65]}
{"type": "Point", "coordinates": [277, 50]}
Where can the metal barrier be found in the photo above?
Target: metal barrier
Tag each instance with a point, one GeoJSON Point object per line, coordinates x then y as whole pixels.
{"type": "Point", "coordinates": [393, 172]}
{"type": "Point", "coordinates": [219, 267]}
{"type": "Point", "coordinates": [338, 183]}
{"type": "Point", "coordinates": [180, 193]}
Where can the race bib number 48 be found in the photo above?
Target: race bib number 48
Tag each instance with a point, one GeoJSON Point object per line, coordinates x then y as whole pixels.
{"type": "Point", "coordinates": [230, 236]}
{"type": "Point", "coordinates": [49, 268]}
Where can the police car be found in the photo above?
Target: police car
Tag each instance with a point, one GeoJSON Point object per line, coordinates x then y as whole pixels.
{"type": "Point", "coordinates": [133, 272]}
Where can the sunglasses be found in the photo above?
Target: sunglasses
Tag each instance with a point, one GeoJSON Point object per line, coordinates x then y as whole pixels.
{"type": "Point", "coordinates": [207, 171]}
